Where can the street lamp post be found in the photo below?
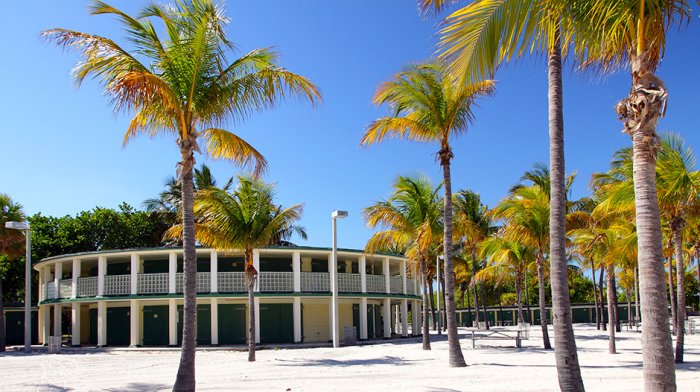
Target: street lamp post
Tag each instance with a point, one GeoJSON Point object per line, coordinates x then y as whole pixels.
{"type": "Point", "coordinates": [439, 318]}
{"type": "Point", "coordinates": [27, 283]}
{"type": "Point", "coordinates": [334, 277]}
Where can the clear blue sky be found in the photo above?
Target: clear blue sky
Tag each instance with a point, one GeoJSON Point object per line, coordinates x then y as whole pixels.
{"type": "Point", "coordinates": [61, 146]}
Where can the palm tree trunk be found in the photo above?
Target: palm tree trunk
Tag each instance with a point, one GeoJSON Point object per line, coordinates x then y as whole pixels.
{"type": "Point", "coordinates": [250, 276]}
{"type": "Point", "coordinates": [677, 232]}
{"type": "Point", "coordinates": [602, 302]}
{"type": "Point", "coordinates": [519, 298]}
{"type": "Point", "coordinates": [615, 304]}
{"type": "Point", "coordinates": [185, 379]}
{"type": "Point", "coordinates": [444, 300]}
{"type": "Point", "coordinates": [672, 295]}
{"type": "Point", "coordinates": [611, 310]}
{"type": "Point", "coordinates": [543, 303]}
{"type": "Point", "coordinates": [432, 306]}
{"type": "Point", "coordinates": [595, 297]}
{"type": "Point", "coordinates": [426, 330]}
{"type": "Point", "coordinates": [629, 305]}
{"type": "Point", "coordinates": [636, 294]}
{"type": "Point", "coordinates": [456, 358]}
{"type": "Point", "coordinates": [482, 288]}
{"type": "Point", "coordinates": [697, 262]}
{"type": "Point", "coordinates": [474, 286]}
{"type": "Point", "coordinates": [469, 308]}
{"type": "Point", "coordinates": [527, 299]}
{"type": "Point", "coordinates": [645, 103]}
{"type": "Point", "coordinates": [2, 320]}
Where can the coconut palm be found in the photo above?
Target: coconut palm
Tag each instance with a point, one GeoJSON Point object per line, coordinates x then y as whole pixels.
{"type": "Point", "coordinates": [633, 33]}
{"type": "Point", "coordinates": [472, 225]}
{"type": "Point", "coordinates": [11, 245]}
{"type": "Point", "coordinates": [428, 106]}
{"type": "Point", "coordinates": [474, 41]}
{"type": "Point", "coordinates": [243, 219]}
{"type": "Point", "coordinates": [410, 220]}
{"type": "Point", "coordinates": [182, 84]}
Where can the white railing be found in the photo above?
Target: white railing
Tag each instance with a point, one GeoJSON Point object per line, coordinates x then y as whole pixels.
{"type": "Point", "coordinates": [349, 283]}
{"type": "Point", "coordinates": [117, 284]}
{"type": "Point", "coordinates": [315, 281]}
{"type": "Point", "coordinates": [203, 282]}
{"type": "Point", "coordinates": [396, 284]}
{"type": "Point", "coordinates": [409, 286]}
{"type": "Point", "coordinates": [152, 283]}
{"type": "Point", "coordinates": [276, 281]}
{"type": "Point", "coordinates": [376, 284]}
{"type": "Point", "coordinates": [87, 287]}
{"type": "Point", "coordinates": [232, 282]}
{"type": "Point", "coordinates": [65, 288]}
{"type": "Point", "coordinates": [50, 290]}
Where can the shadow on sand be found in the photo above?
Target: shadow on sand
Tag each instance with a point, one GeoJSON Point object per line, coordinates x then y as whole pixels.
{"type": "Point", "coordinates": [346, 363]}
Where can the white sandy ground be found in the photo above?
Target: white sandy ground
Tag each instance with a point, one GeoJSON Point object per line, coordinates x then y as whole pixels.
{"type": "Point", "coordinates": [399, 365]}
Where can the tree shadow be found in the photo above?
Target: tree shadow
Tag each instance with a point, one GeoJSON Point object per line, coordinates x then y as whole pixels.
{"type": "Point", "coordinates": [140, 387]}
{"type": "Point", "coordinates": [50, 388]}
{"type": "Point", "coordinates": [688, 366]}
{"type": "Point", "coordinates": [387, 360]}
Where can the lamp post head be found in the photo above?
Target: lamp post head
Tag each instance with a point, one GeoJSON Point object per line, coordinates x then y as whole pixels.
{"type": "Point", "coordinates": [17, 225]}
{"type": "Point", "coordinates": [339, 214]}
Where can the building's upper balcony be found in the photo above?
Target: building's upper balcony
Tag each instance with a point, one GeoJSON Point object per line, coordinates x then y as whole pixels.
{"type": "Point", "coordinates": [281, 270]}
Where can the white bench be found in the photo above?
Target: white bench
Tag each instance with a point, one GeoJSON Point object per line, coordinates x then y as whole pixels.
{"type": "Point", "coordinates": [520, 333]}
{"type": "Point", "coordinates": [55, 344]}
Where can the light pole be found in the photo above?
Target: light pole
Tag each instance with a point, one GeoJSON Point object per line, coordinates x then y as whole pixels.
{"type": "Point", "coordinates": [334, 277]}
{"type": "Point", "coordinates": [27, 283]}
{"type": "Point", "coordinates": [439, 319]}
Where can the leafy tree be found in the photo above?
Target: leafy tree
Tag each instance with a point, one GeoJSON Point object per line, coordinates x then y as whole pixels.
{"type": "Point", "coordinates": [11, 246]}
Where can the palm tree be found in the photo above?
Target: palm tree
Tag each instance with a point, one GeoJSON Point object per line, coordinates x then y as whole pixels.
{"type": "Point", "coordinates": [474, 41]}
{"type": "Point", "coordinates": [244, 219]}
{"type": "Point", "coordinates": [472, 226]}
{"type": "Point", "coordinates": [185, 87]}
{"type": "Point", "coordinates": [526, 212]}
{"type": "Point", "coordinates": [633, 32]}
{"type": "Point", "coordinates": [411, 221]}
{"type": "Point", "coordinates": [428, 106]}
{"type": "Point", "coordinates": [11, 245]}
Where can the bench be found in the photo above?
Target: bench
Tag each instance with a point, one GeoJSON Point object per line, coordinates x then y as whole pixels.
{"type": "Point", "coordinates": [522, 332]}
{"type": "Point", "coordinates": [55, 344]}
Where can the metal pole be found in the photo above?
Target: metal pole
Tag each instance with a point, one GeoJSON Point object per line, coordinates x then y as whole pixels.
{"type": "Point", "coordinates": [439, 319]}
{"type": "Point", "coordinates": [334, 283]}
{"type": "Point", "coordinates": [28, 295]}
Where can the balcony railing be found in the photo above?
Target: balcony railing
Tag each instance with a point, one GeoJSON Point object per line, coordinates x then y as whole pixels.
{"type": "Point", "coordinates": [228, 282]}
{"type": "Point", "coordinates": [276, 281]}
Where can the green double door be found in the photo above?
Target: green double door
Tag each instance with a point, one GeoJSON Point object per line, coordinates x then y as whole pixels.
{"type": "Point", "coordinates": [375, 325]}
{"type": "Point", "coordinates": [203, 324]}
{"type": "Point", "coordinates": [276, 323]}
{"type": "Point", "coordinates": [232, 327]}
{"type": "Point", "coordinates": [155, 325]}
{"type": "Point", "coordinates": [118, 326]}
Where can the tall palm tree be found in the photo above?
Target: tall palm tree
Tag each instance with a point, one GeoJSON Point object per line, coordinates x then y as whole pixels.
{"type": "Point", "coordinates": [183, 85]}
{"type": "Point", "coordinates": [244, 219]}
{"type": "Point", "coordinates": [472, 226]}
{"type": "Point", "coordinates": [11, 245]}
{"type": "Point", "coordinates": [474, 41]}
{"type": "Point", "coordinates": [633, 33]}
{"type": "Point", "coordinates": [428, 106]}
{"type": "Point", "coordinates": [410, 220]}
{"type": "Point", "coordinates": [526, 212]}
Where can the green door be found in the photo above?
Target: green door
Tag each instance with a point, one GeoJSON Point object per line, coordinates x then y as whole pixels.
{"type": "Point", "coordinates": [203, 324]}
{"type": "Point", "coordinates": [232, 328]}
{"type": "Point", "coordinates": [155, 325]}
{"type": "Point", "coordinates": [276, 323]}
{"type": "Point", "coordinates": [356, 320]}
{"type": "Point", "coordinates": [118, 326]}
{"type": "Point", "coordinates": [92, 326]}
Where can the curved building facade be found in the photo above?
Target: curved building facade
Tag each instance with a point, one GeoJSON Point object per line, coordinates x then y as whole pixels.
{"type": "Point", "coordinates": [134, 297]}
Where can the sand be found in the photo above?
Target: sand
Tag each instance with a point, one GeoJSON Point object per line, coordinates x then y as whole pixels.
{"type": "Point", "coordinates": [394, 365]}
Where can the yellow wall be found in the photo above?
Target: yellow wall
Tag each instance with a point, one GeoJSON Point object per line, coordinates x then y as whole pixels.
{"type": "Point", "coordinates": [316, 322]}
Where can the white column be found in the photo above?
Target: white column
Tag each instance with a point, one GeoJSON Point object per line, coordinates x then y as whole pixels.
{"type": "Point", "coordinates": [101, 323]}
{"type": "Point", "coordinates": [135, 320]}
{"type": "Point", "coordinates": [46, 322]}
{"type": "Point", "coordinates": [387, 276]}
{"type": "Point", "coordinates": [297, 319]}
{"type": "Point", "coordinates": [415, 311]}
{"type": "Point", "coordinates": [75, 323]}
{"type": "Point", "coordinates": [75, 274]}
{"type": "Point", "coordinates": [363, 275]}
{"type": "Point", "coordinates": [135, 270]}
{"type": "Point", "coordinates": [256, 265]}
{"type": "Point", "coordinates": [101, 272]}
{"type": "Point", "coordinates": [57, 320]}
{"type": "Point", "coordinates": [214, 284]}
{"type": "Point", "coordinates": [257, 319]}
{"type": "Point", "coordinates": [387, 318]}
{"type": "Point", "coordinates": [363, 318]}
{"type": "Point", "coordinates": [172, 322]}
{"type": "Point", "coordinates": [403, 276]}
{"type": "Point", "coordinates": [215, 321]}
{"type": "Point", "coordinates": [404, 317]}
{"type": "Point", "coordinates": [296, 268]}
{"type": "Point", "coordinates": [172, 271]}
{"type": "Point", "coordinates": [57, 275]}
